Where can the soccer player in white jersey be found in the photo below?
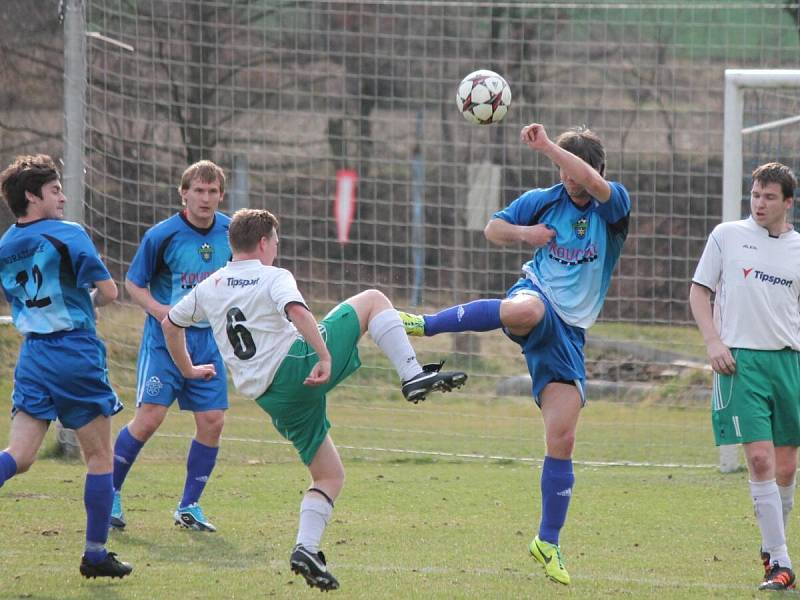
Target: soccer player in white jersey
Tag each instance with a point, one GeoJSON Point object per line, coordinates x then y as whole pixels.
{"type": "Point", "coordinates": [753, 338]}
{"type": "Point", "coordinates": [281, 357]}
{"type": "Point", "coordinates": [576, 230]}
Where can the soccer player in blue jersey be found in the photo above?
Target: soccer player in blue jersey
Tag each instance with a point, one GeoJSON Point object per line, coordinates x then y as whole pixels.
{"type": "Point", "coordinates": [174, 256]}
{"type": "Point", "coordinates": [47, 267]}
{"type": "Point", "coordinates": [576, 230]}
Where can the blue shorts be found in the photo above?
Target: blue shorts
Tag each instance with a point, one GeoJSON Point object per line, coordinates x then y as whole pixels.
{"type": "Point", "coordinates": [158, 380]}
{"type": "Point", "coordinates": [553, 349]}
{"type": "Point", "coordinates": [63, 376]}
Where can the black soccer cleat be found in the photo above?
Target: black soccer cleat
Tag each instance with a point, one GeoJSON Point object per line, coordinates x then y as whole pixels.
{"type": "Point", "coordinates": [432, 379]}
{"type": "Point", "coordinates": [765, 560]}
{"type": "Point", "coordinates": [313, 568]}
{"type": "Point", "coordinates": [778, 579]}
{"type": "Point", "coordinates": [108, 567]}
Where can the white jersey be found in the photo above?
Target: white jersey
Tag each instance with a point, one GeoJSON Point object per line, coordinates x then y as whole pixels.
{"type": "Point", "coordinates": [245, 302]}
{"type": "Point", "coordinates": [756, 278]}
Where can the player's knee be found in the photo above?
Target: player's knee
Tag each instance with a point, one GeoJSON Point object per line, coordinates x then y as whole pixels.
{"type": "Point", "coordinates": [761, 464]}
{"type": "Point", "coordinates": [522, 312]}
{"type": "Point", "coordinates": [210, 424]}
{"type": "Point", "coordinates": [560, 444]}
{"type": "Point", "coordinates": [786, 471]}
{"type": "Point", "coordinates": [377, 299]}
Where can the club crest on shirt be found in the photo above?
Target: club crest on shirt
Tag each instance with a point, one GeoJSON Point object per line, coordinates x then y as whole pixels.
{"type": "Point", "coordinates": [206, 251]}
{"type": "Point", "coordinates": [581, 226]}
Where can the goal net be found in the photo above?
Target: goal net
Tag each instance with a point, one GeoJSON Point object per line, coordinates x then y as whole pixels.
{"type": "Point", "coordinates": [285, 95]}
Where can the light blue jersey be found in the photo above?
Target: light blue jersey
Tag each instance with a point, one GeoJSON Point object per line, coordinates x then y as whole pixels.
{"type": "Point", "coordinates": [574, 269]}
{"type": "Point", "coordinates": [175, 256]}
{"type": "Point", "coordinates": [46, 268]}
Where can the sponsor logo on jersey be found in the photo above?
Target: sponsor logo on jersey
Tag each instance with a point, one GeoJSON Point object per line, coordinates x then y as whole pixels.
{"type": "Point", "coordinates": [235, 282]}
{"type": "Point", "coordinates": [581, 226]}
{"type": "Point", "coordinates": [206, 252]}
{"type": "Point", "coordinates": [767, 278]}
{"type": "Point", "coordinates": [189, 280]}
{"type": "Point", "coordinates": [749, 247]}
{"type": "Point", "coordinates": [572, 256]}
{"type": "Point", "coordinates": [23, 254]}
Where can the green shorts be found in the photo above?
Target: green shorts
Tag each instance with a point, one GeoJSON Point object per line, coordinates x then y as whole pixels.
{"type": "Point", "coordinates": [299, 411]}
{"type": "Point", "coordinates": [760, 401]}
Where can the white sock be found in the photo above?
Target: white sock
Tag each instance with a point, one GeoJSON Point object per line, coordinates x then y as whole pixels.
{"type": "Point", "coordinates": [387, 330]}
{"type": "Point", "coordinates": [314, 516]}
{"type": "Point", "coordinates": [787, 502]}
{"type": "Point", "coordinates": [769, 514]}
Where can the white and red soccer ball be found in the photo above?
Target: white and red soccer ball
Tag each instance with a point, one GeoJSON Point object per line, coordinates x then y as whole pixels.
{"type": "Point", "coordinates": [483, 97]}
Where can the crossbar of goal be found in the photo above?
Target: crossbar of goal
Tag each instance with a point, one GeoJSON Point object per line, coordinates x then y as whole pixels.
{"type": "Point", "coordinates": [737, 81]}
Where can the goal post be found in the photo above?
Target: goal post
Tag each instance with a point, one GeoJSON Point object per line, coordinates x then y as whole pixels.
{"type": "Point", "coordinates": [737, 81]}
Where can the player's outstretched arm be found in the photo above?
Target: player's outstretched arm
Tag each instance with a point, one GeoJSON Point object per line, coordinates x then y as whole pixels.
{"type": "Point", "coordinates": [535, 137]}
{"type": "Point", "coordinates": [106, 292]}
{"type": "Point", "coordinates": [175, 338]}
{"type": "Point", "coordinates": [145, 300]}
{"type": "Point", "coordinates": [306, 324]}
{"type": "Point", "coordinates": [719, 354]}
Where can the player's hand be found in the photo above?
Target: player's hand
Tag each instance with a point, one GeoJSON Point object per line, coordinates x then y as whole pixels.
{"type": "Point", "coordinates": [722, 360]}
{"type": "Point", "coordinates": [320, 373]}
{"type": "Point", "coordinates": [538, 235]}
{"type": "Point", "coordinates": [535, 136]}
{"type": "Point", "coordinates": [202, 372]}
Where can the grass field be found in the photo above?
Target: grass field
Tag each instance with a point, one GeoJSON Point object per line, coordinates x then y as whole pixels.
{"type": "Point", "coordinates": [441, 500]}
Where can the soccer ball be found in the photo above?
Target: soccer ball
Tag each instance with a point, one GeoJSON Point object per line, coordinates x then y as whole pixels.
{"type": "Point", "coordinates": [483, 97]}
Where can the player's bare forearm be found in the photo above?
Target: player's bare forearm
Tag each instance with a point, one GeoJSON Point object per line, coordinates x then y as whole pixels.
{"type": "Point", "coordinates": [502, 233]}
{"type": "Point", "coordinates": [175, 337]}
{"type": "Point", "coordinates": [106, 292]}
{"type": "Point", "coordinates": [535, 137]}
{"type": "Point", "coordinates": [306, 324]}
{"type": "Point", "coordinates": [719, 355]}
{"type": "Point", "coordinates": [145, 300]}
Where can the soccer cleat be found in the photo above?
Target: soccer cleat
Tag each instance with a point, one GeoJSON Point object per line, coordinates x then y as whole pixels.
{"type": "Point", "coordinates": [779, 578]}
{"type": "Point", "coordinates": [432, 379]}
{"type": "Point", "coordinates": [117, 516]}
{"type": "Point", "coordinates": [550, 556]}
{"type": "Point", "coordinates": [192, 517]}
{"type": "Point", "coordinates": [313, 568]}
{"type": "Point", "coordinates": [108, 567]}
{"type": "Point", "coordinates": [413, 324]}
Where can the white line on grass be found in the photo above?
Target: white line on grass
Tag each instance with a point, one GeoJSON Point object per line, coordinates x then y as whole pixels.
{"type": "Point", "coordinates": [469, 456]}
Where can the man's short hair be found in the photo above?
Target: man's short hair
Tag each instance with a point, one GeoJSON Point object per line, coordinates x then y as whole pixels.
{"type": "Point", "coordinates": [776, 172]}
{"type": "Point", "coordinates": [586, 144]}
{"type": "Point", "coordinates": [248, 226]}
{"type": "Point", "coordinates": [27, 173]}
{"type": "Point", "coordinates": [204, 170]}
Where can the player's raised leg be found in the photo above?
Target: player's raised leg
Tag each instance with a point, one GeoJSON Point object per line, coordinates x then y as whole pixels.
{"type": "Point", "coordinates": [377, 315]}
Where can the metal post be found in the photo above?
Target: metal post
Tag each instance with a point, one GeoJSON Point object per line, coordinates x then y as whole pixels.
{"type": "Point", "coordinates": [417, 216]}
{"type": "Point", "coordinates": [240, 186]}
{"type": "Point", "coordinates": [74, 108]}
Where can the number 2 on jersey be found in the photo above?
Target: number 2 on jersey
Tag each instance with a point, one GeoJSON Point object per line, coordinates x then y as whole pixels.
{"type": "Point", "coordinates": [38, 280]}
{"type": "Point", "coordinates": [239, 336]}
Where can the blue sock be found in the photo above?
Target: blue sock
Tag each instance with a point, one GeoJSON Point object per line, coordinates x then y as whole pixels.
{"type": "Point", "coordinates": [126, 449]}
{"type": "Point", "coordinates": [98, 494]}
{"type": "Point", "coordinates": [478, 315]}
{"type": "Point", "coordinates": [557, 481]}
{"type": "Point", "coordinates": [8, 467]}
{"type": "Point", "coordinates": [199, 465]}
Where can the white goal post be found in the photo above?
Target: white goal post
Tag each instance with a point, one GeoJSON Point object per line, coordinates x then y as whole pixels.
{"type": "Point", "coordinates": [736, 82]}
